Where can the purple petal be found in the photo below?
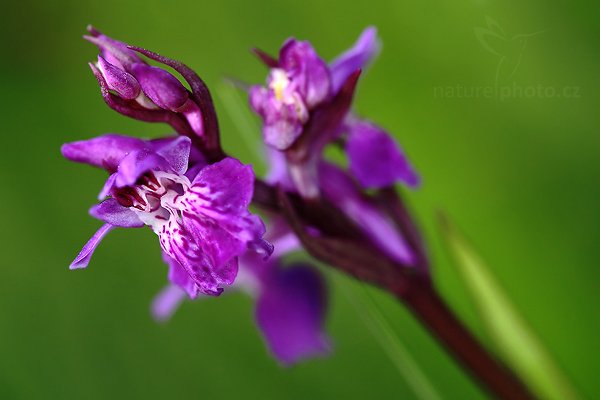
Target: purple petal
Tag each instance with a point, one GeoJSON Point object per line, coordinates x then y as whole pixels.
{"type": "Point", "coordinates": [286, 244]}
{"type": "Point", "coordinates": [376, 160]}
{"type": "Point", "coordinates": [194, 171]}
{"type": "Point", "coordinates": [136, 164]}
{"type": "Point", "coordinates": [196, 163]}
{"type": "Point", "coordinates": [178, 276]}
{"type": "Point", "coordinates": [223, 238]}
{"type": "Point", "coordinates": [166, 303]}
{"type": "Point", "coordinates": [257, 96]}
{"type": "Point", "coordinates": [108, 185]}
{"type": "Point", "coordinates": [290, 312]}
{"type": "Point", "coordinates": [339, 188]}
{"type": "Point", "coordinates": [111, 212]}
{"type": "Point", "coordinates": [196, 157]}
{"type": "Point", "coordinates": [357, 57]}
{"type": "Point", "coordinates": [282, 123]}
{"type": "Point", "coordinates": [304, 175]}
{"type": "Point", "coordinates": [226, 185]}
{"type": "Point", "coordinates": [82, 260]}
{"type": "Point", "coordinates": [283, 241]}
{"type": "Point", "coordinates": [217, 211]}
{"type": "Point", "coordinates": [307, 70]}
{"type": "Point", "coordinates": [260, 246]}
{"type": "Point", "coordinates": [218, 244]}
{"type": "Point", "coordinates": [278, 171]}
{"type": "Point", "coordinates": [160, 86]}
{"type": "Point", "coordinates": [175, 150]}
{"type": "Point", "coordinates": [216, 226]}
{"type": "Point", "coordinates": [282, 133]}
{"type": "Point", "coordinates": [105, 151]}
{"type": "Point", "coordinates": [255, 269]}
{"type": "Point", "coordinates": [118, 80]}
{"type": "Point", "coordinates": [181, 245]}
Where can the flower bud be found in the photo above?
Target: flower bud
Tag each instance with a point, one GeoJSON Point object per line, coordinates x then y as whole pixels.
{"type": "Point", "coordinates": [118, 80]}
{"type": "Point", "coordinates": [160, 86]}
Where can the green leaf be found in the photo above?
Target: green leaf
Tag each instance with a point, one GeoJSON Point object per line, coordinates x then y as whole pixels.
{"type": "Point", "coordinates": [517, 344]}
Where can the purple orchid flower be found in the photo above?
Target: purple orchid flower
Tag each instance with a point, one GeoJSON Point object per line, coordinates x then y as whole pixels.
{"type": "Point", "coordinates": [200, 214]}
{"type": "Point", "coordinates": [299, 83]}
{"type": "Point", "coordinates": [291, 301]}
{"type": "Point", "coordinates": [307, 106]}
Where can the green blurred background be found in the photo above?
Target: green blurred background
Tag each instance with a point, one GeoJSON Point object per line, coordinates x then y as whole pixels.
{"type": "Point", "coordinates": [519, 175]}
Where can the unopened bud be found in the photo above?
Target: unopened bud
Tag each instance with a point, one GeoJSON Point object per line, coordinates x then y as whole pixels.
{"type": "Point", "coordinates": [161, 87]}
{"type": "Point", "coordinates": [118, 80]}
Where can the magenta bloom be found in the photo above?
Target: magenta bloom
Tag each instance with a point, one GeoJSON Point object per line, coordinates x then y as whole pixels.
{"type": "Point", "coordinates": [200, 214]}
{"type": "Point", "coordinates": [300, 82]}
{"type": "Point", "coordinates": [306, 105]}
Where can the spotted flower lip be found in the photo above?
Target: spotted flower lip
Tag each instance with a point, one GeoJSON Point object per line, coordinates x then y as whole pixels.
{"type": "Point", "coordinates": [291, 300]}
{"type": "Point", "coordinates": [200, 214]}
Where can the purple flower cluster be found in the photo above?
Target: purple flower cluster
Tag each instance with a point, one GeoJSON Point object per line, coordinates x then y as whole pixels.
{"type": "Point", "coordinates": [196, 198]}
{"type": "Point", "coordinates": [306, 105]}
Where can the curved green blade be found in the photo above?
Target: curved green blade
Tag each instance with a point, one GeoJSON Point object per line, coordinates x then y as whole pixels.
{"type": "Point", "coordinates": [367, 308]}
{"type": "Point", "coordinates": [518, 345]}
